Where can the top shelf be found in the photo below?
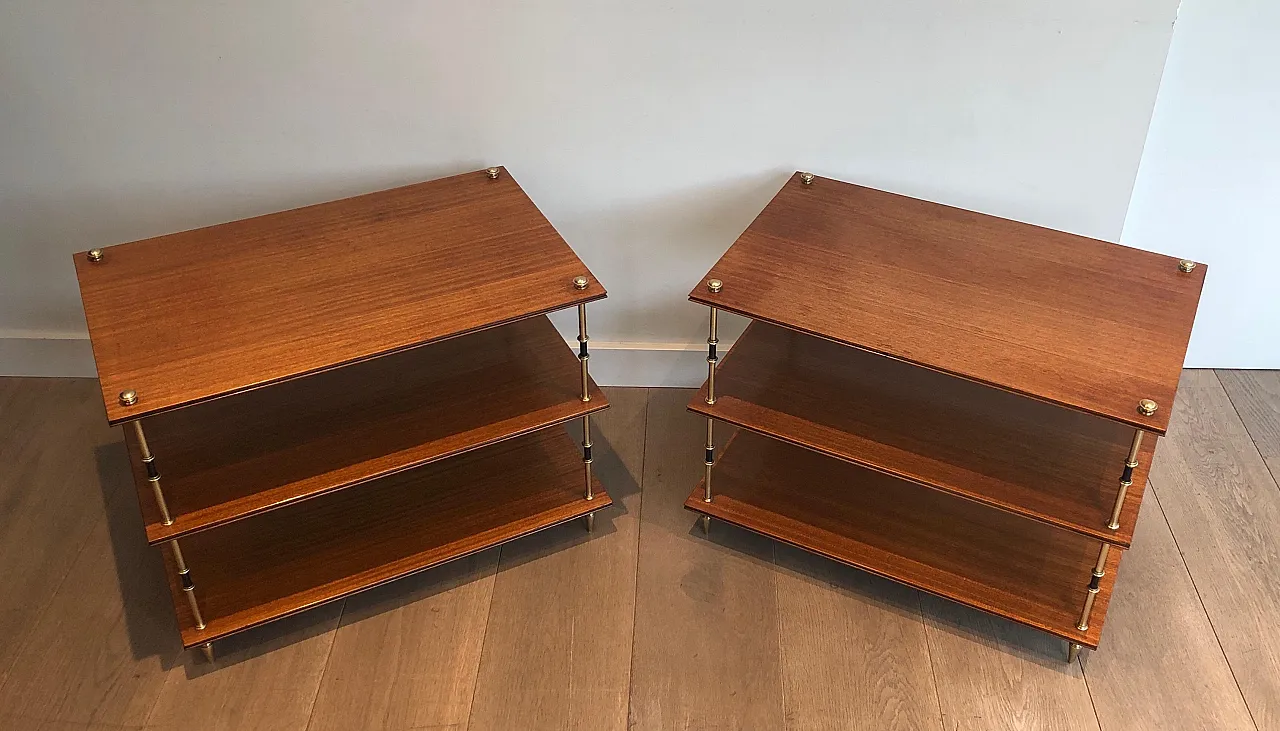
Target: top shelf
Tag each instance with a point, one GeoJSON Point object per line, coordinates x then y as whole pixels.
{"type": "Point", "coordinates": [1066, 319]}
{"type": "Point", "coordinates": [192, 316]}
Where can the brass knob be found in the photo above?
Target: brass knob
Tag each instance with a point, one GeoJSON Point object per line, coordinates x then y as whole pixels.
{"type": "Point", "coordinates": [493, 173]}
{"type": "Point", "coordinates": [1147, 407]}
{"type": "Point", "coordinates": [806, 178]}
{"type": "Point", "coordinates": [94, 255]}
{"type": "Point", "coordinates": [1186, 265]}
{"type": "Point", "coordinates": [580, 282]}
{"type": "Point", "coordinates": [128, 397]}
{"type": "Point", "coordinates": [715, 285]}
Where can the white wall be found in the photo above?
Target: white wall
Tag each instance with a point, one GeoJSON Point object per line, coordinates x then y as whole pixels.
{"type": "Point", "coordinates": [649, 133]}
{"type": "Point", "coordinates": [1209, 185]}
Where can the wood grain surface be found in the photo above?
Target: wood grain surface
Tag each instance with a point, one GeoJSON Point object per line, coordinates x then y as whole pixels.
{"type": "Point", "coordinates": [1223, 505]}
{"type": "Point", "coordinates": [988, 559]}
{"type": "Point", "coordinates": [1052, 464]}
{"type": "Point", "coordinates": [300, 556]}
{"type": "Point", "coordinates": [190, 316]}
{"type": "Point", "coordinates": [1075, 321]}
{"type": "Point", "coordinates": [707, 652]}
{"type": "Point", "coordinates": [249, 453]}
{"type": "Point", "coordinates": [564, 602]}
{"type": "Point", "coordinates": [1161, 666]}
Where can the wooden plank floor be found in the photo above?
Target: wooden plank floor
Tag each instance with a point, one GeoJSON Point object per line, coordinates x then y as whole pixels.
{"type": "Point", "coordinates": [645, 624]}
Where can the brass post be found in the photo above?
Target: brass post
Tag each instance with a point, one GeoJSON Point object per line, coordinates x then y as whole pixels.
{"type": "Point", "coordinates": [1099, 570]}
{"type": "Point", "coordinates": [586, 453]}
{"type": "Point", "coordinates": [710, 462]}
{"type": "Point", "coordinates": [712, 358]}
{"type": "Point", "coordinates": [153, 473]}
{"type": "Point", "coordinates": [188, 586]}
{"type": "Point", "coordinates": [583, 356]}
{"type": "Point", "coordinates": [1126, 479]}
{"type": "Point", "coordinates": [1073, 651]}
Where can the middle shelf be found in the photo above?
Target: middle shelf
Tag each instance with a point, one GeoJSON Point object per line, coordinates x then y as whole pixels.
{"type": "Point", "coordinates": [245, 454]}
{"type": "Point", "coordinates": [1041, 461]}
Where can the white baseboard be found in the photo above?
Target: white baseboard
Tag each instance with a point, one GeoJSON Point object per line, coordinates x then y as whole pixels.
{"type": "Point", "coordinates": [54, 355]}
{"type": "Point", "coordinates": [681, 365]}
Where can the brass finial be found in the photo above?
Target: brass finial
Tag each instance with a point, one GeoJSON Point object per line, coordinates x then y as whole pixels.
{"type": "Point", "coordinates": [806, 178]}
{"type": "Point", "coordinates": [128, 397]}
{"type": "Point", "coordinates": [1186, 265]}
{"type": "Point", "coordinates": [579, 282]}
{"type": "Point", "coordinates": [1147, 407]}
{"type": "Point", "coordinates": [493, 173]}
{"type": "Point", "coordinates": [95, 255]}
{"type": "Point", "coordinates": [715, 285]}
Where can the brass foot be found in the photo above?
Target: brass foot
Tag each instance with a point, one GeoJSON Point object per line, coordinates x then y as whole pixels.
{"type": "Point", "coordinates": [1073, 652]}
{"type": "Point", "coordinates": [591, 522]}
{"type": "Point", "coordinates": [706, 525]}
{"type": "Point", "coordinates": [207, 650]}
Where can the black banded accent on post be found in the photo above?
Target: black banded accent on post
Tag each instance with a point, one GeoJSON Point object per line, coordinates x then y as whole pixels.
{"type": "Point", "coordinates": [1127, 477]}
{"type": "Point", "coordinates": [711, 351]}
{"type": "Point", "coordinates": [582, 349]}
{"type": "Point", "coordinates": [586, 453]}
{"type": "Point", "coordinates": [187, 583]}
{"type": "Point", "coordinates": [153, 472]}
{"type": "Point", "coordinates": [711, 455]}
{"type": "Point", "coordinates": [1093, 582]}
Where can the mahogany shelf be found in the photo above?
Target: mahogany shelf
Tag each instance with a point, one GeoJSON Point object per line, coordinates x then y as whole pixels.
{"type": "Point", "coordinates": [1066, 319]}
{"type": "Point", "coordinates": [191, 316]}
{"type": "Point", "coordinates": [988, 559]}
{"type": "Point", "coordinates": [322, 400]}
{"type": "Point", "coordinates": [288, 560]}
{"type": "Point", "coordinates": [963, 403]}
{"type": "Point", "coordinates": [252, 452]}
{"type": "Point", "coordinates": [1055, 465]}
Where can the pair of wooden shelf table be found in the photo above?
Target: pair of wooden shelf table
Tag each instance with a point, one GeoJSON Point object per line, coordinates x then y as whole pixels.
{"type": "Point", "coordinates": [947, 399]}
{"type": "Point", "coordinates": [323, 400]}
{"type": "Point", "coordinates": [340, 395]}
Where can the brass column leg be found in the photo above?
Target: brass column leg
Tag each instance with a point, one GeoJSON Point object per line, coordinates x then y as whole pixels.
{"type": "Point", "coordinates": [153, 472]}
{"type": "Point", "coordinates": [188, 586]}
{"type": "Point", "coordinates": [710, 460]}
{"type": "Point", "coordinates": [1099, 570]}
{"type": "Point", "coordinates": [712, 358]}
{"type": "Point", "coordinates": [583, 356]}
{"type": "Point", "coordinates": [1126, 479]}
{"type": "Point", "coordinates": [586, 468]}
{"type": "Point", "coordinates": [1073, 651]}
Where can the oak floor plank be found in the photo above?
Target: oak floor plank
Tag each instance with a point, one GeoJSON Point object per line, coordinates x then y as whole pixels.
{"type": "Point", "coordinates": [100, 653]}
{"type": "Point", "coordinates": [1223, 506]}
{"type": "Point", "coordinates": [1160, 667]}
{"type": "Point", "coordinates": [557, 650]}
{"type": "Point", "coordinates": [1256, 397]}
{"type": "Point", "coordinates": [264, 679]}
{"type": "Point", "coordinates": [994, 674]}
{"type": "Point", "coordinates": [57, 472]}
{"type": "Point", "coordinates": [405, 655]}
{"type": "Point", "coordinates": [706, 652]}
{"type": "Point", "coordinates": [876, 675]}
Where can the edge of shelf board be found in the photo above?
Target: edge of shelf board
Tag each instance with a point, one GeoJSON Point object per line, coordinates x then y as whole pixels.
{"type": "Point", "coordinates": [344, 429]}
{"type": "Point", "coordinates": [851, 552]}
{"type": "Point", "coordinates": [815, 373]}
{"type": "Point", "coordinates": [551, 485]}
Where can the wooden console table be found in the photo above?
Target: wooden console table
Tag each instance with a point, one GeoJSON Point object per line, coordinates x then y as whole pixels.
{"type": "Point", "coordinates": [340, 395]}
{"type": "Point", "coordinates": [947, 399]}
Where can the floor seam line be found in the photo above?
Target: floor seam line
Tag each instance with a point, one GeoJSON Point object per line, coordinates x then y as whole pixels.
{"type": "Point", "coordinates": [635, 591]}
{"type": "Point", "coordinates": [325, 669]}
{"type": "Point", "coordinates": [1252, 440]}
{"type": "Point", "coordinates": [1208, 617]}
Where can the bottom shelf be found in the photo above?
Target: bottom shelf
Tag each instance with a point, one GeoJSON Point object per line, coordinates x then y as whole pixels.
{"type": "Point", "coordinates": [291, 559]}
{"type": "Point", "coordinates": [976, 555]}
